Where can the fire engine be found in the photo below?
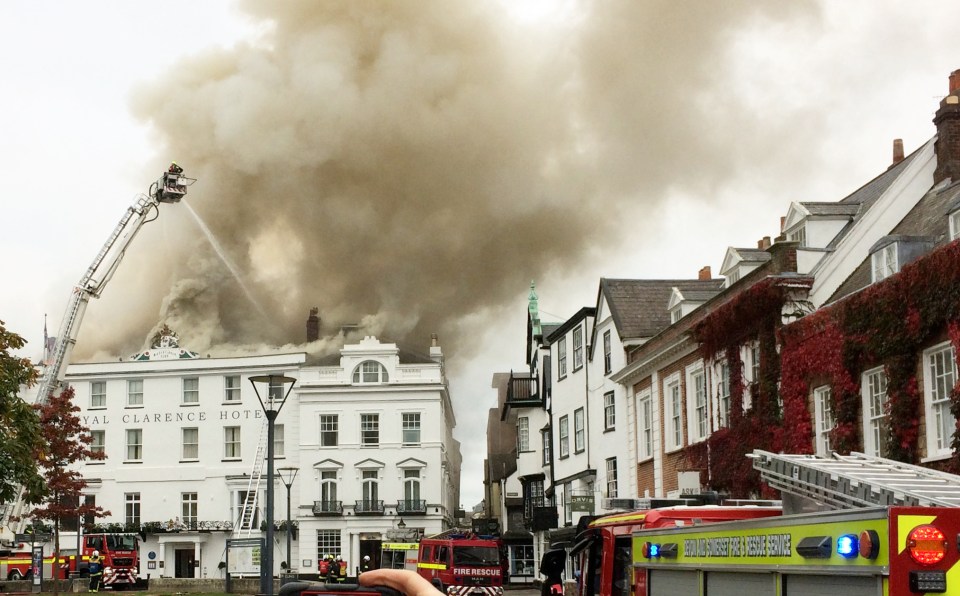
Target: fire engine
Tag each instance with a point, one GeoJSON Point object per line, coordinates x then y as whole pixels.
{"type": "Point", "coordinates": [399, 555]}
{"type": "Point", "coordinates": [856, 525]}
{"type": "Point", "coordinates": [120, 554]}
{"type": "Point", "coordinates": [461, 563]}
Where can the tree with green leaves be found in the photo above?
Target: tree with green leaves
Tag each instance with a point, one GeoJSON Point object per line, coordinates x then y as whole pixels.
{"type": "Point", "coordinates": [66, 443]}
{"type": "Point", "coordinates": [19, 424]}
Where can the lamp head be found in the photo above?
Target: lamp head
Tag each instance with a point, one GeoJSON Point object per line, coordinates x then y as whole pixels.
{"type": "Point", "coordinates": [276, 394]}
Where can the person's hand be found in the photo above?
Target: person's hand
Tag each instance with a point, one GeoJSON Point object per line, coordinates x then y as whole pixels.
{"type": "Point", "coordinates": [408, 582]}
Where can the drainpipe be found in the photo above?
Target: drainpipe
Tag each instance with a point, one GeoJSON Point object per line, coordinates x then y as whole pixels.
{"type": "Point", "coordinates": [586, 396]}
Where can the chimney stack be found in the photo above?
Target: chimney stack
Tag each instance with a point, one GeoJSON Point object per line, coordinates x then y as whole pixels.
{"type": "Point", "coordinates": [783, 222]}
{"type": "Point", "coordinates": [436, 353]}
{"type": "Point", "coordinates": [704, 274]}
{"type": "Point", "coordinates": [313, 325]}
{"type": "Point", "coordinates": [947, 146]}
{"type": "Point", "coordinates": [897, 151]}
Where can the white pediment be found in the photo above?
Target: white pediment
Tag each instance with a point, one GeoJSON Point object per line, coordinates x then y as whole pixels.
{"type": "Point", "coordinates": [795, 216]}
{"type": "Point", "coordinates": [328, 464]}
{"type": "Point", "coordinates": [412, 462]}
{"type": "Point", "coordinates": [369, 464]}
{"type": "Point", "coordinates": [676, 297]}
{"type": "Point", "coordinates": [730, 260]}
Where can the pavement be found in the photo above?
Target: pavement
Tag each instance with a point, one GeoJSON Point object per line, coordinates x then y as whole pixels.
{"type": "Point", "coordinates": [527, 590]}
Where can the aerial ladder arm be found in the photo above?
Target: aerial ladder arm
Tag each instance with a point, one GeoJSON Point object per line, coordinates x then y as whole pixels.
{"type": "Point", "coordinates": [170, 188]}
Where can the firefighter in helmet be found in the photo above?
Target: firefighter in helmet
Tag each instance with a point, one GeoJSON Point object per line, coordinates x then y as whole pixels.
{"type": "Point", "coordinates": [333, 569]}
{"type": "Point", "coordinates": [341, 570]}
{"type": "Point", "coordinates": [365, 564]}
{"type": "Point", "coordinates": [95, 567]}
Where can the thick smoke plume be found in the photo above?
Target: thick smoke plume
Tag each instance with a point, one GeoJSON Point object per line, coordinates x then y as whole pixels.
{"type": "Point", "coordinates": [404, 165]}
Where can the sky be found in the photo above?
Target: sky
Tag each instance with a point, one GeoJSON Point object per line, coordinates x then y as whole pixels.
{"type": "Point", "coordinates": [412, 167]}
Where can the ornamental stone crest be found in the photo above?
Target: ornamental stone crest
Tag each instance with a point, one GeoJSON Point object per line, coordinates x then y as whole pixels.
{"type": "Point", "coordinates": [165, 345]}
{"type": "Point", "coordinates": [165, 338]}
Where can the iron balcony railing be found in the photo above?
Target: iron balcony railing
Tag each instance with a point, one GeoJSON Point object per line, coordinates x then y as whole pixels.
{"type": "Point", "coordinates": [368, 507]}
{"type": "Point", "coordinates": [412, 506]}
{"type": "Point", "coordinates": [328, 507]}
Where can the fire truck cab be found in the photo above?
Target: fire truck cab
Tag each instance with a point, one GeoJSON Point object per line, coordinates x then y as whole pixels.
{"type": "Point", "coordinates": [463, 563]}
{"type": "Point", "coordinates": [120, 554]}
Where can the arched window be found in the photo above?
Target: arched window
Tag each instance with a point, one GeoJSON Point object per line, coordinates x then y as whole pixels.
{"type": "Point", "coordinates": [328, 485]}
{"type": "Point", "coordinates": [371, 486]}
{"type": "Point", "coordinates": [370, 371]}
{"type": "Point", "coordinates": [411, 486]}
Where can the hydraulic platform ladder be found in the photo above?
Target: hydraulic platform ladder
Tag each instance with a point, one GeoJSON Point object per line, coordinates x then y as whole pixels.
{"type": "Point", "coordinates": [857, 480]}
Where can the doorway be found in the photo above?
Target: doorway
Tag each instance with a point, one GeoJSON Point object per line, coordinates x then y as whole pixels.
{"type": "Point", "coordinates": [184, 562]}
{"type": "Point", "coordinates": [370, 548]}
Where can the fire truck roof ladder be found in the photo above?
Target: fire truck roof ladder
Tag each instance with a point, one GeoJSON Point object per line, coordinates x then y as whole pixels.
{"type": "Point", "coordinates": [856, 480]}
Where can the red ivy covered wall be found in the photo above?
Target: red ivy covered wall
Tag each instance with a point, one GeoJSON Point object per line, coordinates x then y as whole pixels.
{"type": "Point", "coordinates": [889, 324]}
{"type": "Point", "coordinates": [754, 314]}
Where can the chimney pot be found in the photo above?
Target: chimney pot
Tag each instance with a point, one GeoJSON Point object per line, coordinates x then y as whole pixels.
{"type": "Point", "coordinates": [897, 151]}
{"type": "Point", "coordinates": [955, 82]}
{"type": "Point", "coordinates": [704, 274]}
{"type": "Point", "coordinates": [434, 340]}
{"type": "Point", "coordinates": [766, 242]}
{"type": "Point", "coordinates": [783, 222]}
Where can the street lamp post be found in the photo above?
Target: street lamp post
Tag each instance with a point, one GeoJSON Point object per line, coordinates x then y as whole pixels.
{"type": "Point", "coordinates": [271, 408]}
{"type": "Point", "coordinates": [287, 476]}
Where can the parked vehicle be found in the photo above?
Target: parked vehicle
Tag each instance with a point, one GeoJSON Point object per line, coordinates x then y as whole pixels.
{"type": "Point", "coordinates": [460, 563]}
{"type": "Point", "coordinates": [120, 554]}
{"type": "Point", "coordinates": [893, 531]}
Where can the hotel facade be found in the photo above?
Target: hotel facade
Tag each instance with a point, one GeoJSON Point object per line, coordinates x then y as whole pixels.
{"type": "Point", "coordinates": [369, 430]}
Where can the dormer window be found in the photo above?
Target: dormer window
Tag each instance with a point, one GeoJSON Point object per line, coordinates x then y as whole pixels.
{"type": "Point", "coordinates": [733, 277]}
{"type": "Point", "coordinates": [684, 302]}
{"type": "Point", "coordinates": [370, 371]}
{"type": "Point", "coordinates": [885, 262]}
{"type": "Point", "coordinates": [955, 225]}
{"type": "Point", "coordinates": [739, 262]}
{"type": "Point", "coordinates": [799, 236]}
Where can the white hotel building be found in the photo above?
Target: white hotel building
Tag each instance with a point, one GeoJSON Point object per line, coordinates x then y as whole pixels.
{"type": "Point", "coordinates": [370, 430]}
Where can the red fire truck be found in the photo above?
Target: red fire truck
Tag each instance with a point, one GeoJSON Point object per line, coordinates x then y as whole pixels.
{"type": "Point", "coordinates": [120, 554]}
{"type": "Point", "coordinates": [893, 530]}
{"type": "Point", "coordinates": [461, 563]}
